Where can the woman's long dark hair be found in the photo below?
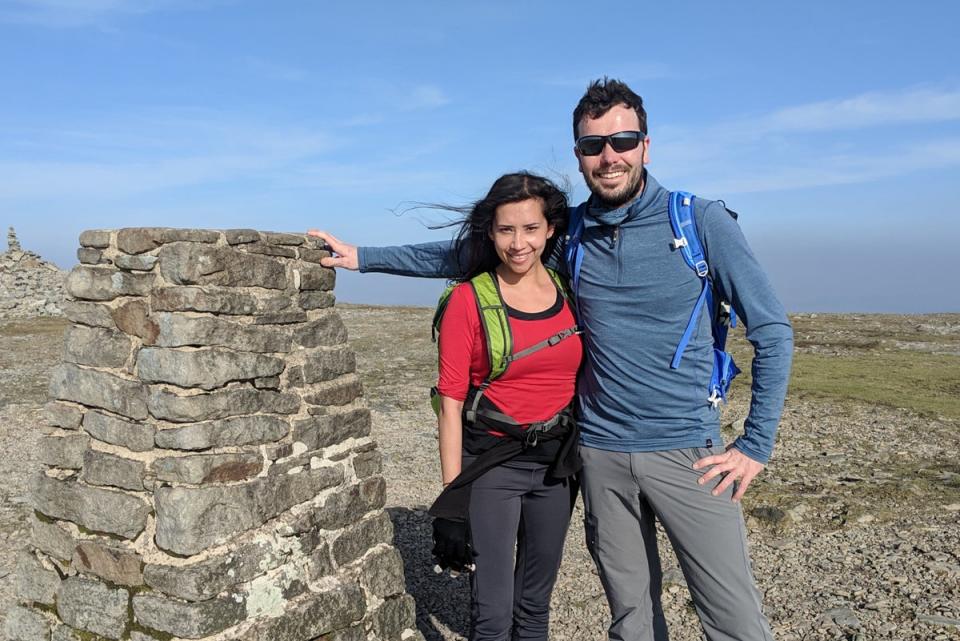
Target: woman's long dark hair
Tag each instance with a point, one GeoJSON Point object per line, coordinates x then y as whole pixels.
{"type": "Point", "coordinates": [474, 248]}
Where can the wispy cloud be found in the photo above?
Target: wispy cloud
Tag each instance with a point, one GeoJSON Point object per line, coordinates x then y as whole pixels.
{"type": "Point", "coordinates": [629, 73]}
{"type": "Point", "coordinates": [423, 97]}
{"type": "Point", "coordinates": [390, 98]}
{"type": "Point", "coordinates": [866, 110]}
{"type": "Point", "coordinates": [875, 109]}
{"type": "Point", "coordinates": [147, 154]}
{"type": "Point", "coordinates": [787, 148]}
{"type": "Point", "coordinates": [80, 13]}
{"type": "Point", "coordinates": [837, 169]}
{"type": "Point", "coordinates": [275, 70]}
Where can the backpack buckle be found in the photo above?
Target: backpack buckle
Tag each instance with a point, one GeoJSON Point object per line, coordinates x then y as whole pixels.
{"type": "Point", "coordinates": [532, 436]}
{"type": "Point", "coordinates": [679, 242]}
{"type": "Point", "coordinates": [714, 398]}
{"type": "Point", "coordinates": [723, 314]}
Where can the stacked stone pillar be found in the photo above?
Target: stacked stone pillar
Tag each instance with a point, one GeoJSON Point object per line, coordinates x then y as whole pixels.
{"type": "Point", "coordinates": [208, 470]}
{"type": "Point", "coordinates": [13, 244]}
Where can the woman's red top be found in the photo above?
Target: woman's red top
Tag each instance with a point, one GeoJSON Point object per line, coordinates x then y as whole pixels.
{"type": "Point", "coordinates": [534, 388]}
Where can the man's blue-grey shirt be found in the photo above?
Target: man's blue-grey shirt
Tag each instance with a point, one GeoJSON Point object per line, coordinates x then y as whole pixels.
{"type": "Point", "coordinates": [635, 298]}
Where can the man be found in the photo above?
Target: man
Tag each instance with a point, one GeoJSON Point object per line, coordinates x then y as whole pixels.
{"type": "Point", "coordinates": [648, 431]}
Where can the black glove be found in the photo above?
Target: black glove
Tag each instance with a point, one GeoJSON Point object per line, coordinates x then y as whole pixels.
{"type": "Point", "coordinates": [451, 545]}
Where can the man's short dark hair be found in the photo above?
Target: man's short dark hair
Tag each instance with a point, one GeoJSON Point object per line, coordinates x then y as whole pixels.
{"type": "Point", "coordinates": [603, 95]}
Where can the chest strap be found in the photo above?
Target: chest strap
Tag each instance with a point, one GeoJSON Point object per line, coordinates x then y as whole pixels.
{"type": "Point", "coordinates": [473, 411]}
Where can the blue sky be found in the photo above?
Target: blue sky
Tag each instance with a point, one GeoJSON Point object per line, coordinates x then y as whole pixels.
{"type": "Point", "coordinates": [833, 128]}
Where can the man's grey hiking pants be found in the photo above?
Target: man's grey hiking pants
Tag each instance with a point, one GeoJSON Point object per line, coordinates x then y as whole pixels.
{"type": "Point", "coordinates": [623, 493]}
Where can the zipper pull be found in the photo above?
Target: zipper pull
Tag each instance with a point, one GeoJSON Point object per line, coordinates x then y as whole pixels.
{"type": "Point", "coordinates": [615, 237]}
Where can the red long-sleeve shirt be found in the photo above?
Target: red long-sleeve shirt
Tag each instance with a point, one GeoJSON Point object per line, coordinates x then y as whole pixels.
{"type": "Point", "coordinates": [533, 388]}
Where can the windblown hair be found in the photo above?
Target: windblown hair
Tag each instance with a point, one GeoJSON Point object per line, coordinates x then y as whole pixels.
{"type": "Point", "coordinates": [473, 245]}
{"type": "Point", "coordinates": [603, 95]}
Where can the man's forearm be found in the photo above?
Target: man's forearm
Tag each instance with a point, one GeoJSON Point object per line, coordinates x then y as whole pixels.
{"type": "Point", "coordinates": [770, 370]}
{"type": "Point", "coordinates": [426, 260]}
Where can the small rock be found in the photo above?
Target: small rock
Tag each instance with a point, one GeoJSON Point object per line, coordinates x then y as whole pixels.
{"type": "Point", "coordinates": [844, 617]}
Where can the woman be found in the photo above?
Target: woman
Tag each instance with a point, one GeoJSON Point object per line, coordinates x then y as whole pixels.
{"type": "Point", "coordinates": [508, 445]}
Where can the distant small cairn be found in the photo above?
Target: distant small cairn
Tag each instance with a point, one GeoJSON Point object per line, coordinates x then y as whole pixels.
{"type": "Point", "coordinates": [208, 471]}
{"type": "Point", "coordinates": [29, 285]}
{"type": "Point", "coordinates": [13, 245]}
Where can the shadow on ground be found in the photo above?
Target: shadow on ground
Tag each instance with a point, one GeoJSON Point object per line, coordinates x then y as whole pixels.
{"type": "Point", "coordinates": [443, 601]}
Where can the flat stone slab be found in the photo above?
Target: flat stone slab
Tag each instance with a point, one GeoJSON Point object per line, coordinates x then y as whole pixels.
{"type": "Point", "coordinates": [177, 330]}
{"type": "Point", "coordinates": [177, 408]}
{"type": "Point", "coordinates": [207, 369]}
{"type": "Point", "coordinates": [35, 582]}
{"type": "Point", "coordinates": [86, 313]}
{"type": "Point", "coordinates": [137, 437]}
{"type": "Point", "coordinates": [104, 283]}
{"type": "Point", "coordinates": [94, 508]}
{"type": "Point", "coordinates": [96, 346]}
{"type": "Point", "coordinates": [188, 620]}
{"type": "Point", "coordinates": [332, 428]}
{"type": "Point", "coordinates": [205, 579]}
{"type": "Point", "coordinates": [51, 539]}
{"type": "Point", "coordinates": [98, 238]}
{"type": "Point", "coordinates": [26, 624]}
{"type": "Point", "coordinates": [355, 540]}
{"type": "Point", "coordinates": [110, 563]}
{"type": "Point", "coordinates": [62, 415]}
{"type": "Point", "coordinates": [104, 468]}
{"type": "Point", "coordinates": [313, 615]}
{"type": "Point", "coordinates": [99, 389]}
{"type": "Point", "coordinates": [217, 300]}
{"type": "Point", "coordinates": [190, 520]}
{"type": "Point", "coordinates": [240, 430]}
{"type": "Point", "coordinates": [188, 264]}
{"type": "Point", "coordinates": [326, 331]}
{"type": "Point", "coordinates": [208, 468]}
{"type": "Point", "coordinates": [63, 450]}
{"type": "Point", "coordinates": [93, 606]}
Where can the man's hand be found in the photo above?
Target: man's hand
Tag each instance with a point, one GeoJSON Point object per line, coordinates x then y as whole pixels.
{"type": "Point", "coordinates": [734, 465]}
{"type": "Point", "coordinates": [345, 254]}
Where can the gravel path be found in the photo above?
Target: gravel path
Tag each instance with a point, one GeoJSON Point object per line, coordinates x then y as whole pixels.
{"type": "Point", "coordinates": [854, 527]}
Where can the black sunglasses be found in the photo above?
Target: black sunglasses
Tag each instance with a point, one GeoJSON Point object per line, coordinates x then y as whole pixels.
{"type": "Point", "coordinates": [620, 142]}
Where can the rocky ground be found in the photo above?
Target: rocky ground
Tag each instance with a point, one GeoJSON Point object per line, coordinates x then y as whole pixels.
{"type": "Point", "coordinates": [854, 527]}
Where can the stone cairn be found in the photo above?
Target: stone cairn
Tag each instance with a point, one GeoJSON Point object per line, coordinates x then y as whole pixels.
{"type": "Point", "coordinates": [29, 285]}
{"type": "Point", "coordinates": [208, 470]}
{"type": "Point", "coordinates": [13, 245]}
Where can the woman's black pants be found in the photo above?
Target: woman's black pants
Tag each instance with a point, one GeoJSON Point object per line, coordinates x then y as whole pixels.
{"type": "Point", "coordinates": [516, 508]}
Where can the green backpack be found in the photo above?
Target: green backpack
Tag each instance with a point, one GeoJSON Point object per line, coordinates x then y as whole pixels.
{"type": "Point", "coordinates": [496, 330]}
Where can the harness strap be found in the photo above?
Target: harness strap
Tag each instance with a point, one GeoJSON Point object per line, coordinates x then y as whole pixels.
{"type": "Point", "coordinates": [574, 254]}
{"type": "Point", "coordinates": [691, 325]}
{"type": "Point", "coordinates": [547, 342]}
{"type": "Point", "coordinates": [471, 413]}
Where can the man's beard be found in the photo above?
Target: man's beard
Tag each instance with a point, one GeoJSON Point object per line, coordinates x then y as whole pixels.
{"type": "Point", "coordinates": [623, 195]}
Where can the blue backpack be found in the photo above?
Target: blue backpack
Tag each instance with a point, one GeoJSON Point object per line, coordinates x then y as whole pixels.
{"type": "Point", "coordinates": [687, 240]}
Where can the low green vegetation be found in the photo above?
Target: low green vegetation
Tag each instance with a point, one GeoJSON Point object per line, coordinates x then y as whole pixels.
{"type": "Point", "coordinates": [895, 361]}
{"type": "Point", "coordinates": [33, 326]}
{"type": "Point", "coordinates": [928, 384]}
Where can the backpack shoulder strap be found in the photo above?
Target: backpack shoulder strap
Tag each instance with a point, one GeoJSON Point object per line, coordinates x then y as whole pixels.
{"type": "Point", "coordinates": [686, 237]}
{"type": "Point", "coordinates": [574, 252]}
{"type": "Point", "coordinates": [559, 282]}
{"type": "Point", "coordinates": [493, 318]}
{"type": "Point", "coordinates": [687, 241]}
{"type": "Point", "coordinates": [441, 308]}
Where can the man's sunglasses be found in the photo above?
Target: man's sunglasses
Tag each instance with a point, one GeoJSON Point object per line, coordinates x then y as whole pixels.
{"type": "Point", "coordinates": [620, 142]}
